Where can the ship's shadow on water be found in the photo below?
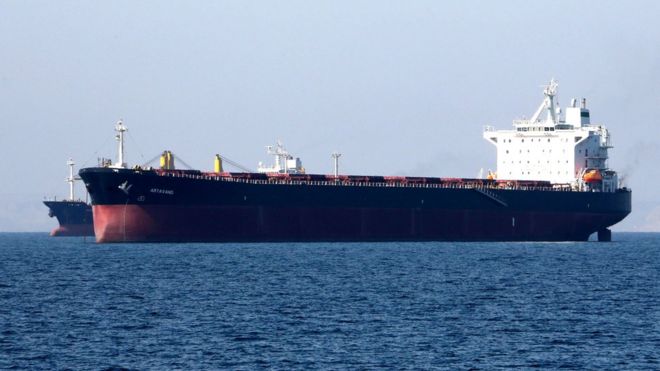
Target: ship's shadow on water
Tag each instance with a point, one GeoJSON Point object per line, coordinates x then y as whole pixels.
{"type": "Point", "coordinates": [69, 303]}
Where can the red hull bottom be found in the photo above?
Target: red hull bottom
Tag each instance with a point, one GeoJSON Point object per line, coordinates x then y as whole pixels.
{"type": "Point", "coordinates": [152, 223]}
{"type": "Point", "coordinates": [70, 230]}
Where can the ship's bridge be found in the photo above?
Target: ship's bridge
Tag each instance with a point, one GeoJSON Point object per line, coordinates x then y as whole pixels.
{"type": "Point", "coordinates": [560, 147]}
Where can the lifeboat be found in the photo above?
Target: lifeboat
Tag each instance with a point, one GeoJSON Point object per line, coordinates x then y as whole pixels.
{"type": "Point", "coordinates": [592, 176]}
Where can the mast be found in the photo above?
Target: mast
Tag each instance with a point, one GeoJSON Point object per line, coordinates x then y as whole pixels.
{"type": "Point", "coordinates": [120, 129]}
{"type": "Point", "coordinates": [335, 157]}
{"type": "Point", "coordinates": [281, 156]}
{"type": "Point", "coordinates": [70, 179]}
{"type": "Point", "coordinates": [548, 103]}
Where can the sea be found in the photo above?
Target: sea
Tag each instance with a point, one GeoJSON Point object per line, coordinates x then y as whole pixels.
{"type": "Point", "coordinates": [71, 304]}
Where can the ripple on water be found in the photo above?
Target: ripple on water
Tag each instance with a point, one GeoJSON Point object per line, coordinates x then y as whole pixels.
{"type": "Point", "coordinates": [67, 303]}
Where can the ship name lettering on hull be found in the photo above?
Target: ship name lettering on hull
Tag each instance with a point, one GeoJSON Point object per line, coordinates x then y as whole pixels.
{"type": "Point", "coordinates": [162, 191]}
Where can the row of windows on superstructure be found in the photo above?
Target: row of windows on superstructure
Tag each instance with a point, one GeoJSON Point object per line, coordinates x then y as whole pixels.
{"type": "Point", "coordinates": [542, 150]}
{"type": "Point", "coordinates": [538, 162]}
{"type": "Point", "coordinates": [586, 162]}
{"type": "Point", "coordinates": [522, 140]}
{"type": "Point", "coordinates": [539, 173]}
{"type": "Point", "coordinates": [536, 128]}
{"type": "Point", "coordinates": [586, 151]}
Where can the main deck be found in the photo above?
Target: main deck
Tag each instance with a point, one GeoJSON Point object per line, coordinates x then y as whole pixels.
{"type": "Point", "coordinates": [364, 180]}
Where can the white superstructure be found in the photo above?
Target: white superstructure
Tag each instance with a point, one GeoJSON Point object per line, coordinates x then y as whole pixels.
{"type": "Point", "coordinates": [563, 148]}
{"type": "Point", "coordinates": [285, 163]}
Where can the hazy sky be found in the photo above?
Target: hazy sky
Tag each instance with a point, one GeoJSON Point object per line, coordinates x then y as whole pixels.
{"type": "Point", "coordinates": [399, 87]}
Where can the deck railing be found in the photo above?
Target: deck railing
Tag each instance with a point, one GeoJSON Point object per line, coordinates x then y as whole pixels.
{"type": "Point", "coordinates": [477, 184]}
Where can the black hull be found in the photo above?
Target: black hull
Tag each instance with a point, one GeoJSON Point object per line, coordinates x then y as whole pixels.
{"type": "Point", "coordinates": [75, 218]}
{"type": "Point", "coordinates": [145, 206]}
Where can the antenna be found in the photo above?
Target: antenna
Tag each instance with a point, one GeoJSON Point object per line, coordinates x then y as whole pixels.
{"type": "Point", "coordinates": [335, 156]}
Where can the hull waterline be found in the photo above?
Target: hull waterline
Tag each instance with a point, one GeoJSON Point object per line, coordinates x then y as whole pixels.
{"type": "Point", "coordinates": [147, 206]}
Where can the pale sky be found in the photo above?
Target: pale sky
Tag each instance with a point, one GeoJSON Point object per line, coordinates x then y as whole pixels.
{"type": "Point", "coordinates": [399, 87]}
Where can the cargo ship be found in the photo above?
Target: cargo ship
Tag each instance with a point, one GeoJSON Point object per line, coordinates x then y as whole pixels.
{"type": "Point", "coordinates": [74, 216]}
{"type": "Point", "coordinates": [552, 183]}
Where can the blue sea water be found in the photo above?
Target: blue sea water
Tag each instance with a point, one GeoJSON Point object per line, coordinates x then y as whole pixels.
{"type": "Point", "coordinates": [68, 303]}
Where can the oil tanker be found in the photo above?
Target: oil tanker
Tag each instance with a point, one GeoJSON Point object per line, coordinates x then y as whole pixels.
{"type": "Point", "coordinates": [74, 216]}
{"type": "Point", "coordinates": [552, 183]}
